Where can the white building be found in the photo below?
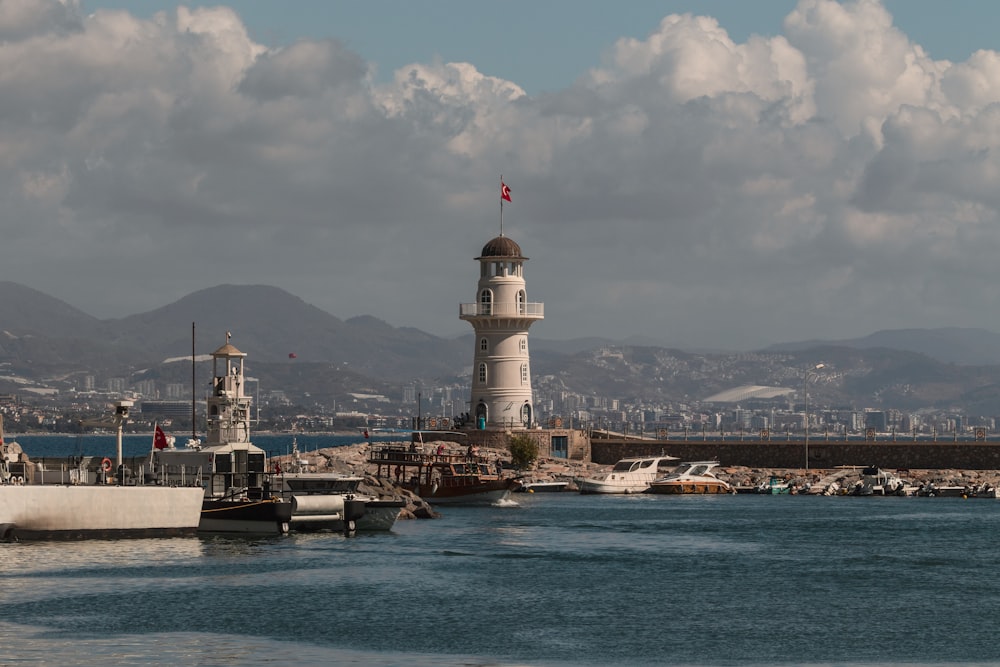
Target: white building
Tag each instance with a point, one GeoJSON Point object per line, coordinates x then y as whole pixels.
{"type": "Point", "coordinates": [501, 316]}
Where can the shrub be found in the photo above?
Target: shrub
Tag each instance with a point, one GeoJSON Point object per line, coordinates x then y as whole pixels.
{"type": "Point", "coordinates": [523, 451]}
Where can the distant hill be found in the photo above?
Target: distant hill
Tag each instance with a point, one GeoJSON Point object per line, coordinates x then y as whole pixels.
{"type": "Point", "coordinates": [266, 322]}
{"type": "Point", "coordinates": [314, 357]}
{"type": "Point", "coordinates": [949, 344]}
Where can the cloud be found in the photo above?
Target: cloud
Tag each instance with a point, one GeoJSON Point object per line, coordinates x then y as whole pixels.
{"type": "Point", "coordinates": [825, 182]}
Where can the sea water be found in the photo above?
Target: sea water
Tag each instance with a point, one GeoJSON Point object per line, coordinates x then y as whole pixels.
{"type": "Point", "coordinates": [544, 579]}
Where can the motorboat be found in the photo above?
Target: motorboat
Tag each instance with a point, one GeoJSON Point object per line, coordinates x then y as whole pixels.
{"type": "Point", "coordinates": [541, 487]}
{"type": "Point", "coordinates": [629, 475]}
{"type": "Point", "coordinates": [774, 486]}
{"type": "Point", "coordinates": [331, 501]}
{"type": "Point", "coordinates": [695, 477]}
{"type": "Point", "coordinates": [878, 482]}
{"type": "Point", "coordinates": [232, 472]}
{"type": "Point", "coordinates": [931, 490]}
{"type": "Point", "coordinates": [92, 498]}
{"type": "Point", "coordinates": [440, 475]}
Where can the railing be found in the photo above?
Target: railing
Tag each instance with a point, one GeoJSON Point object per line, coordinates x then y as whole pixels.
{"type": "Point", "coordinates": [510, 309]}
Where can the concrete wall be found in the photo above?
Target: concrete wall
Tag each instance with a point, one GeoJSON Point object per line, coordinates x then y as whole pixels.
{"type": "Point", "coordinates": [965, 455]}
{"type": "Point", "coordinates": [578, 441]}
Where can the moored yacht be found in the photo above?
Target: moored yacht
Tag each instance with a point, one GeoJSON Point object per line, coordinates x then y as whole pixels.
{"type": "Point", "coordinates": [630, 475]}
{"type": "Point", "coordinates": [694, 477]}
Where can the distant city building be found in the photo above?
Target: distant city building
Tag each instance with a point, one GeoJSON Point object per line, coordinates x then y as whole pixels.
{"type": "Point", "coordinates": [171, 409]}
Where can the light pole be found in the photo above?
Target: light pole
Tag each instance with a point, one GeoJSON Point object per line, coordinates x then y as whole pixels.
{"type": "Point", "coordinates": [805, 390]}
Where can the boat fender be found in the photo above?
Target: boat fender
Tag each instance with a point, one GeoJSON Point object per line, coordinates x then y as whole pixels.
{"type": "Point", "coordinates": [106, 464]}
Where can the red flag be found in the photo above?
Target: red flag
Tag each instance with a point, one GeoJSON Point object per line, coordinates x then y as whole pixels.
{"type": "Point", "coordinates": [159, 439]}
{"type": "Point", "coordinates": [366, 434]}
{"type": "Point", "coordinates": [292, 355]}
{"type": "Point", "coordinates": [504, 191]}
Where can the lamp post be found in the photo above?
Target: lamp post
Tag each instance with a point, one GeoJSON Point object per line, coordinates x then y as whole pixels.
{"type": "Point", "coordinates": [805, 390]}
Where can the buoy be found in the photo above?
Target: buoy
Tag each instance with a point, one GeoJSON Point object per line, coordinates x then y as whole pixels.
{"type": "Point", "coordinates": [106, 464]}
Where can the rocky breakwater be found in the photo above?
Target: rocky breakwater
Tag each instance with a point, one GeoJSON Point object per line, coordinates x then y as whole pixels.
{"type": "Point", "coordinates": [842, 480]}
{"type": "Point", "coordinates": [353, 460]}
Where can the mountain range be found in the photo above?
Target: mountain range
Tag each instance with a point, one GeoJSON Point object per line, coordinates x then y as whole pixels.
{"type": "Point", "coordinates": [301, 348]}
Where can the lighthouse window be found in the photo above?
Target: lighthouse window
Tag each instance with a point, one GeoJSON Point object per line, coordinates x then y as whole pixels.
{"type": "Point", "coordinates": [524, 373]}
{"type": "Point", "coordinates": [523, 344]}
{"type": "Point", "coordinates": [482, 373]}
{"type": "Point", "coordinates": [521, 300]}
{"type": "Point", "coordinates": [484, 345]}
{"type": "Point", "coordinates": [486, 302]}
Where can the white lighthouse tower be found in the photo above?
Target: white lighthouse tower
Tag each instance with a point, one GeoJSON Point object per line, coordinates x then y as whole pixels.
{"type": "Point", "coordinates": [501, 316]}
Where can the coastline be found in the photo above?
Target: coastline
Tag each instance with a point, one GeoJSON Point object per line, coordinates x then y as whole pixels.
{"type": "Point", "coordinates": [353, 459]}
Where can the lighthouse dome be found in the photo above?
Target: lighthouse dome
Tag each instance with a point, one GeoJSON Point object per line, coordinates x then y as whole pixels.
{"type": "Point", "coordinates": [502, 246]}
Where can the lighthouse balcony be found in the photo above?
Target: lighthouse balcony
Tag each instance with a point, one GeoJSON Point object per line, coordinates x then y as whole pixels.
{"type": "Point", "coordinates": [524, 310]}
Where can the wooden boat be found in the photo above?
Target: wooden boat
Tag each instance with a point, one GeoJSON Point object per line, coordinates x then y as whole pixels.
{"type": "Point", "coordinates": [694, 477]}
{"type": "Point", "coordinates": [630, 475]}
{"type": "Point", "coordinates": [442, 475]}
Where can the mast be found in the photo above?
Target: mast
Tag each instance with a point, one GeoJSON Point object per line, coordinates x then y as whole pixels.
{"type": "Point", "coordinates": [194, 434]}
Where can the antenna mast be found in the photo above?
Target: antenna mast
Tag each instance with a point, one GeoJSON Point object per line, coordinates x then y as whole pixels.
{"type": "Point", "coordinates": [194, 434]}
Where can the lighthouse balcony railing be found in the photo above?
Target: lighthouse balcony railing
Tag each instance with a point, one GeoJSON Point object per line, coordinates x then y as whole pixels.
{"type": "Point", "coordinates": [502, 309]}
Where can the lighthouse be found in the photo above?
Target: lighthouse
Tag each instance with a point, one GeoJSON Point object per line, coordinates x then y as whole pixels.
{"type": "Point", "coordinates": [501, 316]}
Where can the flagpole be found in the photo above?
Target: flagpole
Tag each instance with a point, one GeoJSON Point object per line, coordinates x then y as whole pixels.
{"type": "Point", "coordinates": [501, 204]}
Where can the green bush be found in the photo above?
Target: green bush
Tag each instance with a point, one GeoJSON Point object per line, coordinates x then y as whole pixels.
{"type": "Point", "coordinates": [523, 451]}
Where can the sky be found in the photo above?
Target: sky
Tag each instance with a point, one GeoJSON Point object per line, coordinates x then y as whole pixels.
{"type": "Point", "coordinates": [701, 173]}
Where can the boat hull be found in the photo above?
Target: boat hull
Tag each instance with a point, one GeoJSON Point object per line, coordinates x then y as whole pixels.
{"type": "Point", "coordinates": [679, 488]}
{"type": "Point", "coordinates": [77, 512]}
{"type": "Point", "coordinates": [600, 486]}
{"type": "Point", "coordinates": [260, 517]}
{"type": "Point", "coordinates": [542, 487]}
{"type": "Point", "coordinates": [481, 493]}
{"type": "Point", "coordinates": [380, 515]}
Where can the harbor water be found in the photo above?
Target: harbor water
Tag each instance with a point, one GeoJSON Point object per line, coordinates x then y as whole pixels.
{"type": "Point", "coordinates": [548, 579]}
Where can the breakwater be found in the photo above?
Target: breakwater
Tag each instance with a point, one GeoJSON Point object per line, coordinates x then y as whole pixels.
{"type": "Point", "coordinates": [756, 453]}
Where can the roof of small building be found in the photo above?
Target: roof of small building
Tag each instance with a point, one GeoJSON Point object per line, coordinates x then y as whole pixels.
{"type": "Point", "coordinates": [502, 246]}
{"type": "Point", "coordinates": [228, 350]}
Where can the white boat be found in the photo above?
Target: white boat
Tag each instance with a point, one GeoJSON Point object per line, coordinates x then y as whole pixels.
{"type": "Point", "coordinates": [92, 499]}
{"type": "Point", "coordinates": [631, 475]}
{"type": "Point", "coordinates": [542, 487]}
{"type": "Point", "coordinates": [878, 482]}
{"type": "Point", "coordinates": [695, 477]}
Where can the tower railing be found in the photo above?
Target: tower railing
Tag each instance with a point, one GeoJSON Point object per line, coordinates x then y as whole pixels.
{"type": "Point", "coordinates": [510, 309]}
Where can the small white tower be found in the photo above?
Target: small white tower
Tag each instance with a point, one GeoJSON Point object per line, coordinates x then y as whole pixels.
{"type": "Point", "coordinates": [501, 371]}
{"type": "Point", "coordinates": [229, 404]}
